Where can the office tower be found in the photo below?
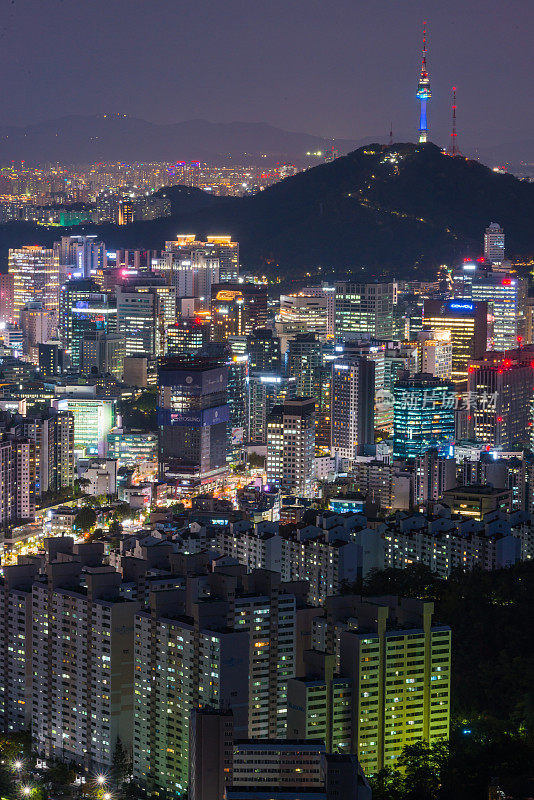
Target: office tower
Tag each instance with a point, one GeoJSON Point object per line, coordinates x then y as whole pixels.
{"type": "Point", "coordinates": [89, 668]}
{"type": "Point", "coordinates": [102, 353]}
{"type": "Point", "coordinates": [373, 351]}
{"type": "Point", "coordinates": [126, 212]}
{"type": "Point", "coordinates": [467, 322]}
{"type": "Point", "coordinates": [499, 400]}
{"type": "Point", "coordinates": [238, 403]}
{"type": "Point", "coordinates": [237, 309]}
{"type": "Point", "coordinates": [50, 359]}
{"type": "Point", "coordinates": [52, 434]}
{"type": "Point", "coordinates": [16, 661]}
{"type": "Point", "coordinates": [305, 364]}
{"type": "Point", "coordinates": [353, 396]}
{"type": "Point", "coordinates": [505, 294]}
{"type": "Point", "coordinates": [155, 284]}
{"type": "Point", "coordinates": [94, 417]}
{"type": "Point", "coordinates": [192, 268]}
{"type": "Point", "coordinates": [186, 336]}
{"type": "Point", "coordinates": [130, 448]}
{"type": "Point", "coordinates": [35, 273]}
{"type": "Point", "coordinates": [83, 308]}
{"type": "Point", "coordinates": [268, 384]}
{"type": "Point", "coordinates": [434, 353]}
{"type": "Point", "coordinates": [193, 414]}
{"type": "Point", "coordinates": [304, 312]}
{"type": "Point", "coordinates": [137, 321]}
{"type": "Point", "coordinates": [135, 371]}
{"type": "Point", "coordinates": [7, 288]}
{"type": "Point", "coordinates": [38, 326]}
{"type": "Point", "coordinates": [366, 309]}
{"type": "Point", "coordinates": [423, 415]}
{"type": "Point", "coordinates": [211, 742]}
{"type": "Point", "coordinates": [390, 686]}
{"type": "Point", "coordinates": [433, 475]}
{"type": "Point", "coordinates": [291, 446]}
{"type": "Point", "coordinates": [263, 348]}
{"type": "Point", "coordinates": [227, 253]}
{"type": "Point", "coordinates": [80, 256]}
{"type": "Point", "coordinates": [494, 243]}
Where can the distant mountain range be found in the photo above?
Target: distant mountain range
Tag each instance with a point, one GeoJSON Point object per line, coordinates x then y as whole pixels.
{"type": "Point", "coordinates": [85, 140]}
{"type": "Point", "coordinates": [379, 211]}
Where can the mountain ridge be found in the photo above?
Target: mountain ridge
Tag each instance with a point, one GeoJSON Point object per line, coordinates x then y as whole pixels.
{"type": "Point", "coordinates": [396, 211]}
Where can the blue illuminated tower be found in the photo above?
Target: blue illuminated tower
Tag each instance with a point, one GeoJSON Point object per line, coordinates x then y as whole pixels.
{"type": "Point", "coordinates": [423, 91]}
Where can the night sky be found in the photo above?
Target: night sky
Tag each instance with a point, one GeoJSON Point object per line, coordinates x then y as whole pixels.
{"type": "Point", "coordinates": [341, 68]}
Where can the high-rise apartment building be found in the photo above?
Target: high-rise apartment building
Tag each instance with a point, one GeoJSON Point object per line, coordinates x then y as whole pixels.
{"type": "Point", "coordinates": [35, 273]}
{"type": "Point", "coordinates": [7, 288]}
{"type": "Point", "coordinates": [193, 415]}
{"type": "Point", "coordinates": [423, 415]}
{"type": "Point", "coordinates": [82, 662]}
{"type": "Point", "coordinates": [228, 641]}
{"type": "Point", "coordinates": [433, 475]}
{"type": "Point", "coordinates": [353, 398]}
{"type": "Point", "coordinates": [385, 685]}
{"type": "Point", "coordinates": [467, 323]}
{"type": "Point", "coordinates": [227, 253]}
{"type": "Point", "coordinates": [52, 434]}
{"type": "Point", "coordinates": [16, 646]}
{"type": "Point", "coordinates": [291, 446]}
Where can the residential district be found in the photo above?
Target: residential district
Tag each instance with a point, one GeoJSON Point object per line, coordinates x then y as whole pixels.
{"type": "Point", "coordinates": [198, 474]}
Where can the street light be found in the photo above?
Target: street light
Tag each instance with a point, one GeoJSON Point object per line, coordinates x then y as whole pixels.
{"type": "Point", "coordinates": [26, 790]}
{"type": "Point", "coordinates": [18, 765]}
{"type": "Point", "coordinates": [100, 780]}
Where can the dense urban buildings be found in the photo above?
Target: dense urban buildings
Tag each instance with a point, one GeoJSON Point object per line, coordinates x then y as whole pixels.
{"type": "Point", "coordinates": [199, 477]}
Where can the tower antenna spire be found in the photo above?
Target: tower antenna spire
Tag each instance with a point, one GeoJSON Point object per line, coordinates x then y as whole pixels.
{"type": "Point", "coordinates": [453, 146]}
{"type": "Point", "coordinates": [390, 134]}
{"type": "Point", "coordinates": [423, 93]}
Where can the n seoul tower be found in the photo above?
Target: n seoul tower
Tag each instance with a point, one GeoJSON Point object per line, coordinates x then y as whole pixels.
{"type": "Point", "coordinates": [423, 91]}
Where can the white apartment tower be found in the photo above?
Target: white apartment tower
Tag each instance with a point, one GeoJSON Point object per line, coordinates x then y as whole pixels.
{"type": "Point", "coordinates": [291, 446]}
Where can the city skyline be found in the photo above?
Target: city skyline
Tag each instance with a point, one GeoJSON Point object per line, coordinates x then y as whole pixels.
{"type": "Point", "coordinates": [327, 85]}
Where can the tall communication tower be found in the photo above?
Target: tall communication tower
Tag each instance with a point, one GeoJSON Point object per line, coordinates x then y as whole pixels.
{"type": "Point", "coordinates": [453, 146]}
{"type": "Point", "coordinates": [423, 91]}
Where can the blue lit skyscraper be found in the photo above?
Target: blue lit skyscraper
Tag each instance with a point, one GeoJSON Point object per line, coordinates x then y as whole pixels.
{"type": "Point", "coordinates": [423, 409]}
